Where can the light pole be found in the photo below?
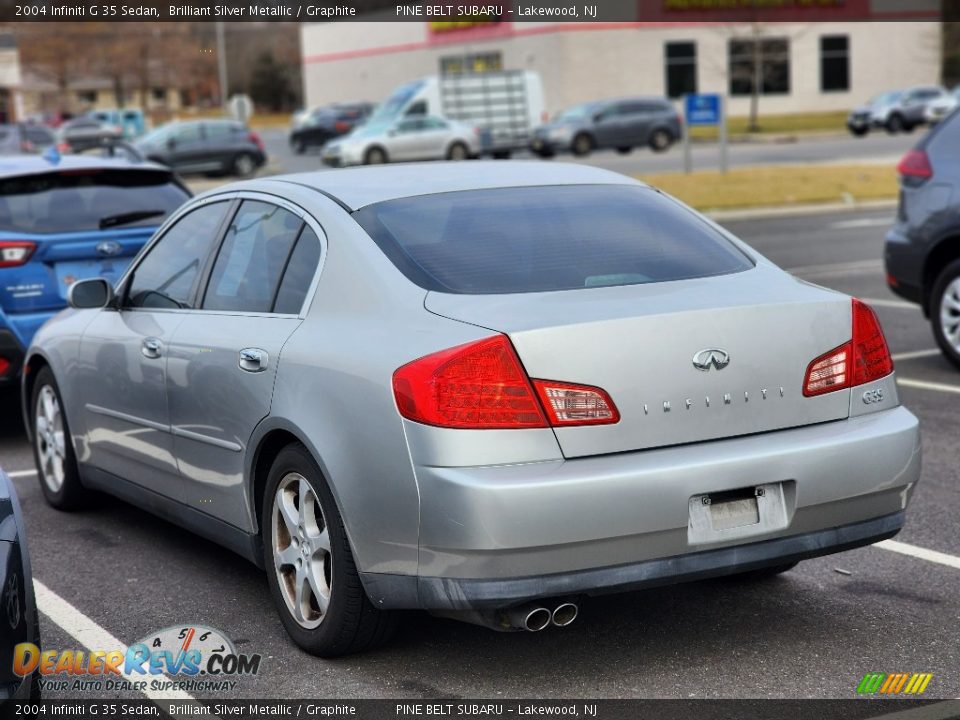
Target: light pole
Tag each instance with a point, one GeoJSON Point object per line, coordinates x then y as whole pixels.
{"type": "Point", "coordinates": [222, 65]}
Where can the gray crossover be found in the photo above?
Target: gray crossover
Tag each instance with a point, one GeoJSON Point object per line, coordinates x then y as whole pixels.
{"type": "Point", "coordinates": [487, 390]}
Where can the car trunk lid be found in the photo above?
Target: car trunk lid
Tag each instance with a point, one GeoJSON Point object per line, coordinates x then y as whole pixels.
{"type": "Point", "coordinates": [753, 333]}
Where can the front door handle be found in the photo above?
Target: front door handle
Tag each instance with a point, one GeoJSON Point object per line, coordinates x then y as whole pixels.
{"type": "Point", "coordinates": [151, 348]}
{"type": "Point", "coordinates": [254, 360]}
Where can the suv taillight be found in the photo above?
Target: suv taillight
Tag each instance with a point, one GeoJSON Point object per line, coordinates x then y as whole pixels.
{"type": "Point", "coordinates": [915, 166]}
{"type": "Point", "coordinates": [255, 139]}
{"type": "Point", "coordinates": [483, 386]}
{"type": "Point", "coordinates": [865, 358]}
{"type": "Point", "coordinates": [15, 252]}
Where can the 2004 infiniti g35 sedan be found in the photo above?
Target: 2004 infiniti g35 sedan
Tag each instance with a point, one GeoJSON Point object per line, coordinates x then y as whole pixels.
{"type": "Point", "coordinates": [485, 390]}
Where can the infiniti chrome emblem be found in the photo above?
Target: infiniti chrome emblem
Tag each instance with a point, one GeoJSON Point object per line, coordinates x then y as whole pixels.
{"type": "Point", "coordinates": [711, 356]}
{"type": "Point", "coordinates": [108, 248]}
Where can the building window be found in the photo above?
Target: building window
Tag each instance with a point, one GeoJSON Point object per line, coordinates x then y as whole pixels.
{"type": "Point", "coordinates": [87, 96]}
{"type": "Point", "coordinates": [680, 60]}
{"type": "Point", "coordinates": [834, 63]}
{"type": "Point", "coordinates": [473, 63]}
{"type": "Point", "coordinates": [159, 94]}
{"type": "Point", "coordinates": [768, 58]}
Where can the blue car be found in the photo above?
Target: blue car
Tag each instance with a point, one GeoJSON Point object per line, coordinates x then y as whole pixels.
{"type": "Point", "coordinates": [64, 219]}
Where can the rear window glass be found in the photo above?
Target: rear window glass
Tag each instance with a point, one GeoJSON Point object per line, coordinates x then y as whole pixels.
{"type": "Point", "coordinates": [76, 200]}
{"type": "Point", "coordinates": [537, 239]}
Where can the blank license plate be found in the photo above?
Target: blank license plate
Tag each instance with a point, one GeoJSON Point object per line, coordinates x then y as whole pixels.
{"type": "Point", "coordinates": [734, 513]}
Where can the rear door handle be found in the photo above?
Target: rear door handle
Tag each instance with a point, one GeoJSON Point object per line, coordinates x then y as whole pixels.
{"type": "Point", "coordinates": [254, 360]}
{"type": "Point", "coordinates": [151, 347]}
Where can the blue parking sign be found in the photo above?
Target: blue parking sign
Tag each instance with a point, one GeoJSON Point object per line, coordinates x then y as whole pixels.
{"type": "Point", "coordinates": [702, 109]}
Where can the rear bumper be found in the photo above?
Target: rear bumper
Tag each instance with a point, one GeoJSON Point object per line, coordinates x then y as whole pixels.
{"type": "Point", "coordinates": [904, 260]}
{"type": "Point", "coordinates": [498, 535]}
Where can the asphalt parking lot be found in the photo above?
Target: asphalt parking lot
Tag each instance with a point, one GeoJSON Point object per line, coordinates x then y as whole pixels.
{"type": "Point", "coordinates": [813, 632]}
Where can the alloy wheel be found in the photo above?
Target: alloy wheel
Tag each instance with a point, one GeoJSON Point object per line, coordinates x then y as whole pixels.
{"type": "Point", "coordinates": [301, 550]}
{"type": "Point", "coordinates": [50, 439]}
{"type": "Point", "coordinates": [950, 314]}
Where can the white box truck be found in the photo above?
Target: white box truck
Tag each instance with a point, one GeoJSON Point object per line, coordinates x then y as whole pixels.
{"type": "Point", "coordinates": [504, 106]}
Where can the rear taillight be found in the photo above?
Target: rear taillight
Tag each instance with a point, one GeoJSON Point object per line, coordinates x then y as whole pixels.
{"type": "Point", "coordinates": [483, 386]}
{"type": "Point", "coordinates": [341, 126]}
{"type": "Point", "coordinates": [255, 139]}
{"type": "Point", "coordinates": [568, 404]}
{"type": "Point", "coordinates": [15, 252]}
{"type": "Point", "coordinates": [865, 358]}
{"type": "Point", "coordinates": [915, 166]}
{"type": "Point", "coordinates": [4, 366]}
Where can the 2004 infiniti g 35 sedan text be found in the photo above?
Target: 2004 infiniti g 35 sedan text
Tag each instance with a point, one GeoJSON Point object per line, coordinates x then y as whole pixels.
{"type": "Point", "coordinates": [484, 390]}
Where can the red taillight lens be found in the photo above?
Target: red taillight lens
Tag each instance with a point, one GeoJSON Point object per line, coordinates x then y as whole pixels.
{"type": "Point", "coordinates": [568, 404]}
{"type": "Point", "coordinates": [865, 358]}
{"type": "Point", "coordinates": [480, 385]}
{"type": "Point", "coordinates": [483, 386]}
{"type": "Point", "coordinates": [871, 356]}
{"type": "Point", "coordinates": [4, 366]}
{"type": "Point", "coordinates": [15, 252]}
{"type": "Point", "coordinates": [255, 139]}
{"type": "Point", "coordinates": [341, 126]}
{"type": "Point", "coordinates": [916, 166]}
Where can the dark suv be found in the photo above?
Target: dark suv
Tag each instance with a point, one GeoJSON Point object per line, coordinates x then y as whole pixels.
{"type": "Point", "coordinates": [327, 123]}
{"type": "Point", "coordinates": [923, 248]}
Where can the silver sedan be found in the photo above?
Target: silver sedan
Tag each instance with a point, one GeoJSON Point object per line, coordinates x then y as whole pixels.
{"type": "Point", "coordinates": [409, 138]}
{"type": "Point", "coordinates": [487, 390]}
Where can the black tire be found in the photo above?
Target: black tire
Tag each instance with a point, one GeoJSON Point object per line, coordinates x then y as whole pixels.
{"type": "Point", "coordinates": [582, 145]}
{"type": "Point", "coordinates": [71, 494]}
{"type": "Point", "coordinates": [375, 156]}
{"type": "Point", "coordinates": [660, 140]}
{"type": "Point", "coordinates": [763, 573]}
{"type": "Point", "coordinates": [244, 165]}
{"type": "Point", "coordinates": [458, 151]}
{"type": "Point", "coordinates": [942, 318]}
{"type": "Point", "coordinates": [894, 123]}
{"type": "Point", "coordinates": [351, 623]}
{"type": "Point", "coordinates": [859, 131]}
{"type": "Point", "coordinates": [625, 150]}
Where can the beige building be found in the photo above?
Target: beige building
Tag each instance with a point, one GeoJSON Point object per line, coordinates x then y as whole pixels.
{"type": "Point", "coordinates": [806, 66]}
{"type": "Point", "coordinates": [11, 99]}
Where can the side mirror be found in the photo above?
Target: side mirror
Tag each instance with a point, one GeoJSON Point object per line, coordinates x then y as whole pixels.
{"type": "Point", "coordinates": [90, 294]}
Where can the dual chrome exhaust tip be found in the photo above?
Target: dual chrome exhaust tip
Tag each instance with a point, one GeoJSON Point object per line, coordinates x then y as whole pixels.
{"type": "Point", "coordinates": [533, 618]}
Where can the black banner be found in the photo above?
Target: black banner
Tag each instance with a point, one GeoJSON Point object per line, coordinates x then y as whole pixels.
{"type": "Point", "coordinates": [491, 709]}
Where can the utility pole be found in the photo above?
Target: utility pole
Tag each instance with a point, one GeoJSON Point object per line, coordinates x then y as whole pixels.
{"type": "Point", "coordinates": [222, 65]}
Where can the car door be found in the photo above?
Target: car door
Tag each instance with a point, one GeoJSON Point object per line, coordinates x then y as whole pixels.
{"type": "Point", "coordinates": [607, 126]}
{"type": "Point", "coordinates": [124, 350]}
{"type": "Point", "coordinates": [634, 123]}
{"type": "Point", "coordinates": [186, 148]}
{"type": "Point", "coordinates": [434, 139]}
{"type": "Point", "coordinates": [223, 359]}
{"type": "Point", "coordinates": [406, 140]}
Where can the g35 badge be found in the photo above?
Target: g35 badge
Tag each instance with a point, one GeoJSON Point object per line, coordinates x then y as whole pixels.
{"type": "Point", "coordinates": [872, 396]}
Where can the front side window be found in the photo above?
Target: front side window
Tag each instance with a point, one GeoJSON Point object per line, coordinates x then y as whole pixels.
{"type": "Point", "coordinates": [539, 239]}
{"type": "Point", "coordinates": [167, 276]}
{"type": "Point", "coordinates": [765, 61]}
{"type": "Point", "coordinates": [255, 252]}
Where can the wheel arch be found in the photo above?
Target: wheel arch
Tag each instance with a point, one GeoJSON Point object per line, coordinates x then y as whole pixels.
{"type": "Point", "coordinates": [944, 252]}
{"type": "Point", "coordinates": [31, 367]}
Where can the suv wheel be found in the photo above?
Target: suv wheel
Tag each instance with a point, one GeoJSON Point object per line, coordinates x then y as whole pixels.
{"type": "Point", "coordinates": [52, 446]}
{"type": "Point", "coordinates": [582, 145]}
{"type": "Point", "coordinates": [894, 123]}
{"type": "Point", "coordinates": [660, 140]}
{"type": "Point", "coordinates": [313, 578]}
{"type": "Point", "coordinates": [945, 312]}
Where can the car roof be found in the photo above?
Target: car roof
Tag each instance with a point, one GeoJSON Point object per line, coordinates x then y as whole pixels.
{"type": "Point", "coordinates": [15, 165]}
{"type": "Point", "coordinates": [355, 188]}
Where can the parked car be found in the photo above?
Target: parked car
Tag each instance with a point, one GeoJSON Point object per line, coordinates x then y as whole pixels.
{"type": "Point", "coordinates": [205, 146]}
{"type": "Point", "coordinates": [19, 620]}
{"type": "Point", "coordinates": [622, 124]}
{"type": "Point", "coordinates": [895, 111]}
{"type": "Point", "coordinates": [922, 250]}
{"type": "Point", "coordinates": [64, 221]}
{"type": "Point", "coordinates": [21, 138]}
{"type": "Point", "coordinates": [937, 110]}
{"type": "Point", "coordinates": [408, 138]}
{"type": "Point", "coordinates": [327, 123]}
{"type": "Point", "coordinates": [83, 133]}
{"type": "Point", "coordinates": [512, 384]}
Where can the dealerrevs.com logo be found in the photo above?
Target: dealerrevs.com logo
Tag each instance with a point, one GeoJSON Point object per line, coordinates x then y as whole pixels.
{"type": "Point", "coordinates": [894, 683]}
{"type": "Point", "coordinates": [183, 657]}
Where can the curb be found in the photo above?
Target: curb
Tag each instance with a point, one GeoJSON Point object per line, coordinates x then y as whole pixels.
{"type": "Point", "coordinates": [758, 213]}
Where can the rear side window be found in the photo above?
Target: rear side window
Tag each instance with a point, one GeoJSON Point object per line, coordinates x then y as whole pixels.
{"type": "Point", "coordinates": [538, 239]}
{"type": "Point", "coordinates": [253, 257]}
{"type": "Point", "coordinates": [299, 273]}
{"type": "Point", "coordinates": [85, 199]}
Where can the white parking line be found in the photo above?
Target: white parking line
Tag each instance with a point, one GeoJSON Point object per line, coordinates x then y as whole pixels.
{"type": "Point", "coordinates": [92, 636]}
{"type": "Point", "coordinates": [923, 385]}
{"type": "Point", "coordinates": [21, 473]}
{"type": "Point", "coordinates": [919, 552]}
{"type": "Point", "coordinates": [860, 223]}
{"type": "Point", "coordinates": [915, 354]}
